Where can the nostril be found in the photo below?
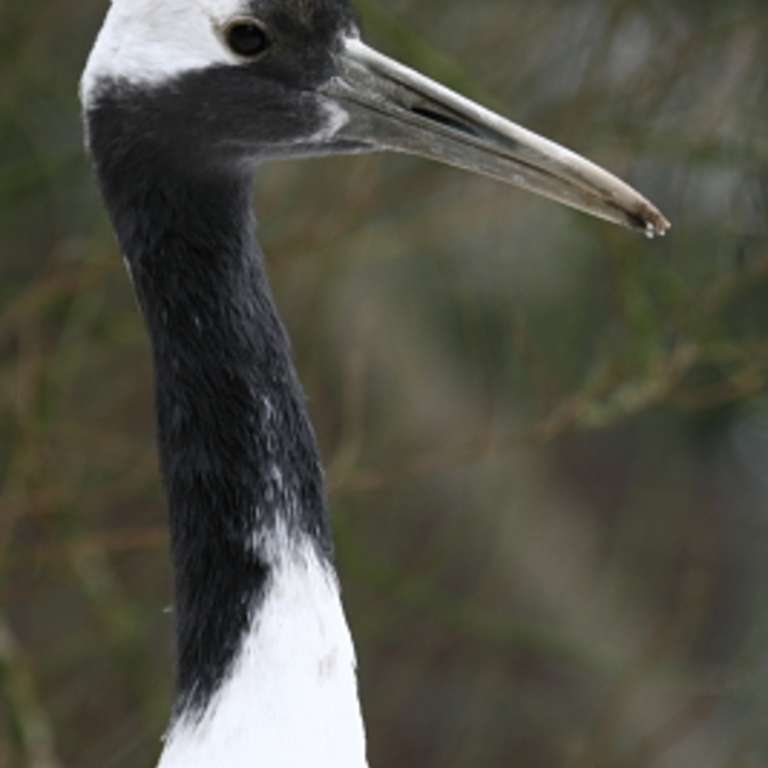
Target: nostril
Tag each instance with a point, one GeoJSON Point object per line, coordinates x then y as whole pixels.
{"type": "Point", "coordinates": [447, 120]}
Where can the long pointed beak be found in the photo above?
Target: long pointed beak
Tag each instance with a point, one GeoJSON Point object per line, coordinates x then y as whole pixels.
{"type": "Point", "coordinates": [392, 107]}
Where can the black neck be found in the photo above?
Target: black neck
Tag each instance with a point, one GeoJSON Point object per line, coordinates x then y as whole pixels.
{"type": "Point", "coordinates": [237, 449]}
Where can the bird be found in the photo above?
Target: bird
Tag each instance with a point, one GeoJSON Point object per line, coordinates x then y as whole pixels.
{"type": "Point", "coordinates": [183, 101]}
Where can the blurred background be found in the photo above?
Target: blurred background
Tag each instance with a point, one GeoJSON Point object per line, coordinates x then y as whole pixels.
{"type": "Point", "coordinates": [546, 438]}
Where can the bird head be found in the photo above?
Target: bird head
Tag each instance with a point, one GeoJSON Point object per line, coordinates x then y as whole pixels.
{"type": "Point", "coordinates": [222, 85]}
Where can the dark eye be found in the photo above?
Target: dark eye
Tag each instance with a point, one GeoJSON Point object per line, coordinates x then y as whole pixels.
{"type": "Point", "coordinates": [247, 38]}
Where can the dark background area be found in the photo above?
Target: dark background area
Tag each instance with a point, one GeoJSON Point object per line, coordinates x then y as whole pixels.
{"type": "Point", "coordinates": [546, 438]}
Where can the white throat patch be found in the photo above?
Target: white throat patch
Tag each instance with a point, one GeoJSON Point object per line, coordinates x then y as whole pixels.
{"type": "Point", "coordinates": [154, 41]}
{"type": "Point", "coordinates": [291, 700]}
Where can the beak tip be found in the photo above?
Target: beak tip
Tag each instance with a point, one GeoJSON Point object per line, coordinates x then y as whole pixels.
{"type": "Point", "coordinates": [650, 221]}
{"type": "Point", "coordinates": [659, 227]}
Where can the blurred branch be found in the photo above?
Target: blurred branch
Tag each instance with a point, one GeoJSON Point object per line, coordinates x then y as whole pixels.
{"type": "Point", "coordinates": [610, 397]}
{"type": "Point", "coordinates": [29, 727]}
{"type": "Point", "coordinates": [40, 295]}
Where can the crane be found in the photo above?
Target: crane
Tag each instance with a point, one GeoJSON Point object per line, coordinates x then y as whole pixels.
{"type": "Point", "coordinates": [183, 100]}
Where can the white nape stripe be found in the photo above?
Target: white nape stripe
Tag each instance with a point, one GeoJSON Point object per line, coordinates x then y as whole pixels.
{"type": "Point", "coordinates": [291, 700]}
{"type": "Point", "coordinates": [154, 41]}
